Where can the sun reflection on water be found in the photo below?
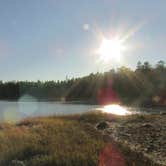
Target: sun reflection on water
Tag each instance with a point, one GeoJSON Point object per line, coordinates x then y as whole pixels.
{"type": "Point", "coordinates": [116, 109]}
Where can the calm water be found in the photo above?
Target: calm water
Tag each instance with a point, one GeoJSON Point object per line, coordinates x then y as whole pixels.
{"type": "Point", "coordinates": [13, 111]}
{"type": "Point", "coordinates": [19, 110]}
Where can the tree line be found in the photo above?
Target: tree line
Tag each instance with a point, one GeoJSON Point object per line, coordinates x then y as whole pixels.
{"type": "Point", "coordinates": [144, 86]}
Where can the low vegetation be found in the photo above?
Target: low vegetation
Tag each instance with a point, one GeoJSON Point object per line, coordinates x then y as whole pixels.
{"type": "Point", "coordinates": [70, 140]}
{"type": "Point", "coordinates": [49, 141]}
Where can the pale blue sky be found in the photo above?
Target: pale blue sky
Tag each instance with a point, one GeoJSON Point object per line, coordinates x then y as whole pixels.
{"type": "Point", "coordinates": [47, 40]}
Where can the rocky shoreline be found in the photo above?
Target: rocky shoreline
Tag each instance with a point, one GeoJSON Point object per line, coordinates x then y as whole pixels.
{"type": "Point", "coordinates": [142, 134]}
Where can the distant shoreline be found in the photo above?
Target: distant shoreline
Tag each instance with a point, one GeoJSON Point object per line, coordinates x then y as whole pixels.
{"type": "Point", "coordinates": [83, 102]}
{"type": "Point", "coordinates": [52, 100]}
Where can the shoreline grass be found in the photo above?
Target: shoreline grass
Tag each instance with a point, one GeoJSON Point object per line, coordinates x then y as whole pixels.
{"type": "Point", "coordinates": [62, 140]}
{"type": "Point", "coordinates": [50, 141]}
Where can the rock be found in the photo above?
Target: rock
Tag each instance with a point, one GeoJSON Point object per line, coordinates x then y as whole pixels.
{"type": "Point", "coordinates": [147, 125]}
{"type": "Point", "coordinates": [102, 125]}
{"type": "Point", "coordinates": [1, 127]}
{"type": "Point", "coordinates": [162, 113]}
{"type": "Point", "coordinates": [146, 137]}
{"type": "Point", "coordinates": [17, 163]}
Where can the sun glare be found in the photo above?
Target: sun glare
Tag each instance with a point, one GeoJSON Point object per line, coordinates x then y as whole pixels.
{"type": "Point", "coordinates": [116, 109]}
{"type": "Point", "coordinates": [110, 49]}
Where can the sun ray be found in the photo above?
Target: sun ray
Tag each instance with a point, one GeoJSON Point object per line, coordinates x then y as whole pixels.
{"type": "Point", "coordinates": [113, 46]}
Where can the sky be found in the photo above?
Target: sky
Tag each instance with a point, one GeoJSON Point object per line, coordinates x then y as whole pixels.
{"type": "Point", "coordinates": [55, 39]}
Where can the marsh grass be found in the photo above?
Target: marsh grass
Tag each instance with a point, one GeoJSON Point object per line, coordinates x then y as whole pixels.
{"type": "Point", "coordinates": [50, 141]}
{"type": "Point", "coordinates": [62, 141]}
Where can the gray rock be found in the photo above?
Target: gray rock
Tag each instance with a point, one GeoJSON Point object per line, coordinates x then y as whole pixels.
{"type": "Point", "coordinates": [102, 125]}
{"type": "Point", "coordinates": [147, 125]}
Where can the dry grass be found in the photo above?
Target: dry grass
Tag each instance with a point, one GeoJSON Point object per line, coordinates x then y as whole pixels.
{"type": "Point", "coordinates": [50, 141]}
{"type": "Point", "coordinates": [63, 141]}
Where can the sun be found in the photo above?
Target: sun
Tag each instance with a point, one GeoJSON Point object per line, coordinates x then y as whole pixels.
{"type": "Point", "coordinates": [110, 49]}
